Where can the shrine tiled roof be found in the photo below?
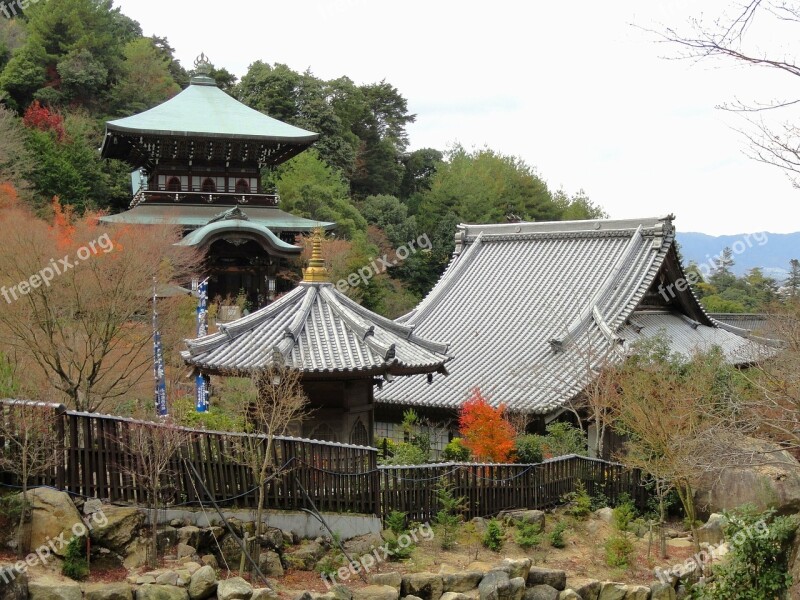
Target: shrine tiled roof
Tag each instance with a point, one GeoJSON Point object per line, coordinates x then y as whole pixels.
{"type": "Point", "coordinates": [532, 310]}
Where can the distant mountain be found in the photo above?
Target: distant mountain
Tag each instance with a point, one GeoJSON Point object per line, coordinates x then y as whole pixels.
{"type": "Point", "coordinates": [769, 251]}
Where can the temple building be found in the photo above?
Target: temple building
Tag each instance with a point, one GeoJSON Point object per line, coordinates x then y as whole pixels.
{"type": "Point", "coordinates": [342, 350]}
{"type": "Point", "coordinates": [533, 311]}
{"type": "Point", "coordinates": [198, 159]}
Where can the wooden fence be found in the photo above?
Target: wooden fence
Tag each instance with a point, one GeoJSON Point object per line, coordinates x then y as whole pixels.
{"type": "Point", "coordinates": [101, 456]}
{"type": "Point", "coordinates": [491, 488]}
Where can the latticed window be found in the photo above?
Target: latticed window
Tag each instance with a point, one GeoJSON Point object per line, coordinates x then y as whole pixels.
{"type": "Point", "coordinates": [324, 432]}
{"type": "Point", "coordinates": [174, 184]}
{"type": "Point", "coordinates": [242, 186]}
{"type": "Point", "coordinates": [359, 435]}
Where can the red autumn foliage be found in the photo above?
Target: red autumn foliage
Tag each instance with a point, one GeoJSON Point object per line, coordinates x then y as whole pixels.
{"type": "Point", "coordinates": [63, 224]}
{"type": "Point", "coordinates": [42, 118]}
{"type": "Point", "coordinates": [9, 198]}
{"type": "Point", "coordinates": [487, 434]}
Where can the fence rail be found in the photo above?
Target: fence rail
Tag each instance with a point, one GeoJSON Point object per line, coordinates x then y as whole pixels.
{"type": "Point", "coordinates": [101, 456]}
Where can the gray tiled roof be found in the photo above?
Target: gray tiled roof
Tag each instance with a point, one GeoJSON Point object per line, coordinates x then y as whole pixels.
{"type": "Point", "coordinates": [317, 329]}
{"type": "Point", "coordinates": [531, 308]}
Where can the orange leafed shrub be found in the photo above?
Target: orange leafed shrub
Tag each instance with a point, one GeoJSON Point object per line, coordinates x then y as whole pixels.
{"type": "Point", "coordinates": [487, 434]}
{"type": "Point", "coordinates": [8, 196]}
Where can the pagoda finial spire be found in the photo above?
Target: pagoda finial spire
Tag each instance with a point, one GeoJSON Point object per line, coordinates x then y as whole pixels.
{"type": "Point", "coordinates": [316, 271]}
{"type": "Point", "coordinates": [202, 71]}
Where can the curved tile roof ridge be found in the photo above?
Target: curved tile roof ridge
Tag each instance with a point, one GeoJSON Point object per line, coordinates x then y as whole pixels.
{"type": "Point", "coordinates": [316, 329]}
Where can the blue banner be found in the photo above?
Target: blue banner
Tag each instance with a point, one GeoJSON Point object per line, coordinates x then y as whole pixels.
{"type": "Point", "coordinates": [158, 364]}
{"type": "Point", "coordinates": [202, 391]}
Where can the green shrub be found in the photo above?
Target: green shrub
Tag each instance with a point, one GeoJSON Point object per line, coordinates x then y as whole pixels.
{"type": "Point", "coordinates": [493, 538]}
{"type": "Point", "coordinates": [75, 564]}
{"type": "Point", "coordinates": [528, 535]}
{"type": "Point", "coordinates": [756, 568]}
{"type": "Point", "coordinates": [580, 502]}
{"type": "Point", "coordinates": [326, 566]}
{"type": "Point", "coordinates": [449, 516]}
{"type": "Point", "coordinates": [624, 514]}
{"type": "Point", "coordinates": [556, 536]}
{"type": "Point", "coordinates": [11, 507]}
{"type": "Point", "coordinates": [600, 500]}
{"type": "Point", "coordinates": [396, 522]}
{"type": "Point", "coordinates": [619, 549]}
{"type": "Point", "coordinates": [529, 449]}
{"type": "Point", "coordinates": [456, 451]}
{"type": "Point", "coordinates": [563, 438]}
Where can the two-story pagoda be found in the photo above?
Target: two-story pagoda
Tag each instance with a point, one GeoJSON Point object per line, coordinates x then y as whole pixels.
{"type": "Point", "coordinates": [198, 160]}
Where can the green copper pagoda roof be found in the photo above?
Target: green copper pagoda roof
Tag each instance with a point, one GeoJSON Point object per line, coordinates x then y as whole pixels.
{"type": "Point", "coordinates": [242, 228]}
{"type": "Point", "coordinates": [204, 110]}
{"type": "Point", "coordinates": [195, 216]}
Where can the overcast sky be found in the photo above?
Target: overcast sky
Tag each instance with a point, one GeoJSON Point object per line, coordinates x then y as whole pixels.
{"type": "Point", "coordinates": [573, 88]}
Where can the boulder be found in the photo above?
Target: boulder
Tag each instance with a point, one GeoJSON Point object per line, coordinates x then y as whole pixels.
{"type": "Point", "coordinates": [637, 592]}
{"type": "Point", "coordinates": [605, 514]}
{"type": "Point", "coordinates": [392, 579]}
{"type": "Point", "coordinates": [661, 591]}
{"type": "Point", "coordinates": [192, 567]}
{"type": "Point", "coordinates": [610, 590]}
{"type": "Point", "coordinates": [47, 588]}
{"type": "Point", "coordinates": [167, 578]}
{"type": "Point", "coordinates": [568, 595]}
{"type": "Point", "coordinates": [53, 516]}
{"type": "Point", "coordinates": [203, 583]}
{"type": "Point", "coordinates": [376, 592]}
{"type": "Point", "coordinates": [273, 538]}
{"type": "Point", "coordinates": [234, 588]}
{"type": "Point", "coordinates": [189, 535]}
{"type": "Point", "coordinates": [587, 589]}
{"type": "Point", "coordinates": [119, 529]}
{"type": "Point", "coordinates": [497, 585]}
{"type": "Point", "coordinates": [552, 577]}
{"type": "Point", "coordinates": [209, 538]}
{"type": "Point", "coordinates": [541, 592]}
{"type": "Point", "coordinates": [107, 591]}
{"type": "Point", "coordinates": [270, 564]}
{"type": "Point", "coordinates": [427, 586]}
{"type": "Point", "coordinates": [307, 555]}
{"type": "Point", "coordinates": [92, 505]}
{"type": "Point", "coordinates": [362, 545]}
{"type": "Point", "coordinates": [410, 597]}
{"type": "Point", "coordinates": [477, 565]}
{"type": "Point", "coordinates": [151, 591]}
{"type": "Point", "coordinates": [462, 581]}
{"type": "Point", "coordinates": [712, 531]}
{"type": "Point", "coordinates": [231, 552]}
{"type": "Point", "coordinates": [185, 551]}
{"type": "Point", "coordinates": [264, 594]}
{"type": "Point", "coordinates": [515, 567]}
{"type": "Point", "coordinates": [534, 517]}
{"type": "Point", "coordinates": [210, 560]}
{"type": "Point", "coordinates": [454, 596]}
{"type": "Point", "coordinates": [167, 537]}
{"type": "Point", "coordinates": [773, 485]}
{"type": "Point", "coordinates": [13, 584]}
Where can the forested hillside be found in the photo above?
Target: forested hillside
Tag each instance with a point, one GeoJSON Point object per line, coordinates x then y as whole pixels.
{"type": "Point", "coordinates": [68, 66]}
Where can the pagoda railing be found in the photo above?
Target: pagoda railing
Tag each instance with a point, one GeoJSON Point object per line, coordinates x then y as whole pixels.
{"type": "Point", "coordinates": [221, 198]}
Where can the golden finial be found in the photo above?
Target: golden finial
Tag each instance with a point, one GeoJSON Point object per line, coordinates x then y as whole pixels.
{"type": "Point", "coordinates": [316, 271]}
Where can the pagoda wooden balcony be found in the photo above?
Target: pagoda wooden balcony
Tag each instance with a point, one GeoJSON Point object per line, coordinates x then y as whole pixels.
{"type": "Point", "coordinates": [199, 197]}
